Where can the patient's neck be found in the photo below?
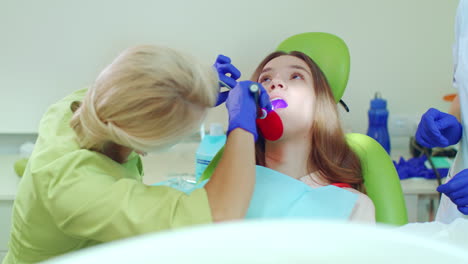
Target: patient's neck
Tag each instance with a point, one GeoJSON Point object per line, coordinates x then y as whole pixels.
{"type": "Point", "coordinates": [288, 156]}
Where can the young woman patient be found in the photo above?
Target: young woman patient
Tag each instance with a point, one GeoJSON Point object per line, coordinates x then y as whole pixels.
{"type": "Point", "coordinates": [312, 148]}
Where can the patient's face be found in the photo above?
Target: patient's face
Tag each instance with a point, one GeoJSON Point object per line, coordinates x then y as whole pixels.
{"type": "Point", "coordinates": [289, 79]}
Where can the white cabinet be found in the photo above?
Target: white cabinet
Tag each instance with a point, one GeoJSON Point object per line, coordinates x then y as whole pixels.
{"type": "Point", "coordinates": [6, 207]}
{"type": "Point", "coordinates": [8, 187]}
{"type": "Point", "coordinates": [422, 199]}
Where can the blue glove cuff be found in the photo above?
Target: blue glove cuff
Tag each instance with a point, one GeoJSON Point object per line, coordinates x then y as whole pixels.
{"type": "Point", "coordinates": [233, 125]}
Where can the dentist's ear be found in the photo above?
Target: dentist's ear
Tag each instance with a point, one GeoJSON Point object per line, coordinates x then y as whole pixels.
{"type": "Point", "coordinates": [141, 153]}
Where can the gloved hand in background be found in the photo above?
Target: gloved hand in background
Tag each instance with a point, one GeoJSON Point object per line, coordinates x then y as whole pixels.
{"type": "Point", "coordinates": [224, 67]}
{"type": "Point", "coordinates": [457, 190]}
{"type": "Point", "coordinates": [438, 129]}
{"type": "Point", "coordinates": [242, 108]}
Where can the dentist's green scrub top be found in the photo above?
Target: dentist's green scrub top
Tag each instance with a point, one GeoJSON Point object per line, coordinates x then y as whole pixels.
{"type": "Point", "coordinates": [70, 198]}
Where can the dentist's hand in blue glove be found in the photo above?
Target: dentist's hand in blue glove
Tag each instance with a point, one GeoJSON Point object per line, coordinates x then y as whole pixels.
{"type": "Point", "coordinates": [242, 108]}
{"type": "Point", "coordinates": [438, 129]}
{"type": "Point", "coordinates": [457, 190]}
{"type": "Point", "coordinates": [227, 75]}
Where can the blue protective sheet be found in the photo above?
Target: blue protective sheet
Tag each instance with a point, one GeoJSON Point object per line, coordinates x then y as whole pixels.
{"type": "Point", "coordinates": [279, 196]}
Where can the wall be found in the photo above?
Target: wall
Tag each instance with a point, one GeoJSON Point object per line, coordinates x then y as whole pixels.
{"type": "Point", "coordinates": [50, 48]}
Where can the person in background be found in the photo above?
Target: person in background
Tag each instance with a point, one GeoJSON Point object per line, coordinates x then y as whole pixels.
{"type": "Point", "coordinates": [439, 129]}
{"type": "Point", "coordinates": [83, 183]}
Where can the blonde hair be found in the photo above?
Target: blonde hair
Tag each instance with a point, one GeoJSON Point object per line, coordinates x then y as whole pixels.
{"type": "Point", "coordinates": [149, 97]}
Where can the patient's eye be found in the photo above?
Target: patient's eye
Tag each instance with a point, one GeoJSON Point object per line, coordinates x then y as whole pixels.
{"type": "Point", "coordinates": [297, 76]}
{"type": "Point", "coordinates": [265, 79]}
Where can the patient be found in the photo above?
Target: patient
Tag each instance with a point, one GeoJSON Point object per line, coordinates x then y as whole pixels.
{"type": "Point", "coordinates": [312, 148]}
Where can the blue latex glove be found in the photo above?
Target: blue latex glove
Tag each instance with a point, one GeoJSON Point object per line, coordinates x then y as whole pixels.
{"type": "Point", "coordinates": [457, 190]}
{"type": "Point", "coordinates": [438, 129]}
{"type": "Point", "coordinates": [223, 66]}
{"type": "Point", "coordinates": [242, 108]}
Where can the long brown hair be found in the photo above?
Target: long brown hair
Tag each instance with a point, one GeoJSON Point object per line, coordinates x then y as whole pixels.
{"type": "Point", "coordinates": [330, 156]}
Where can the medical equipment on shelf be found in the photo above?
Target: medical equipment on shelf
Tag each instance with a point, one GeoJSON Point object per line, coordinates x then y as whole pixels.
{"type": "Point", "coordinates": [378, 118]}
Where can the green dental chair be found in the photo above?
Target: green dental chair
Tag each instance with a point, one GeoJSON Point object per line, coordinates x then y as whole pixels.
{"type": "Point", "coordinates": [380, 176]}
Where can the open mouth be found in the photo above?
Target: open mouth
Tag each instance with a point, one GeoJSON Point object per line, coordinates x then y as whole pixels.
{"type": "Point", "coordinates": [278, 103]}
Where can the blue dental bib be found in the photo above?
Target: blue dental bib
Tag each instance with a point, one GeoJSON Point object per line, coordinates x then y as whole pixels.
{"type": "Point", "coordinates": [279, 196]}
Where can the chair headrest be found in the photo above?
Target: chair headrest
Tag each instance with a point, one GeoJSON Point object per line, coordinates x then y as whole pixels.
{"type": "Point", "coordinates": [328, 51]}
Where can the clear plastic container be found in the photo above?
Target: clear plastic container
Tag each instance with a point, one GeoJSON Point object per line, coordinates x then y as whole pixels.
{"type": "Point", "coordinates": [209, 146]}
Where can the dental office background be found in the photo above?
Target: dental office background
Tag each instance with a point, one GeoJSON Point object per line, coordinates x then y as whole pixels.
{"type": "Point", "coordinates": [51, 48]}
